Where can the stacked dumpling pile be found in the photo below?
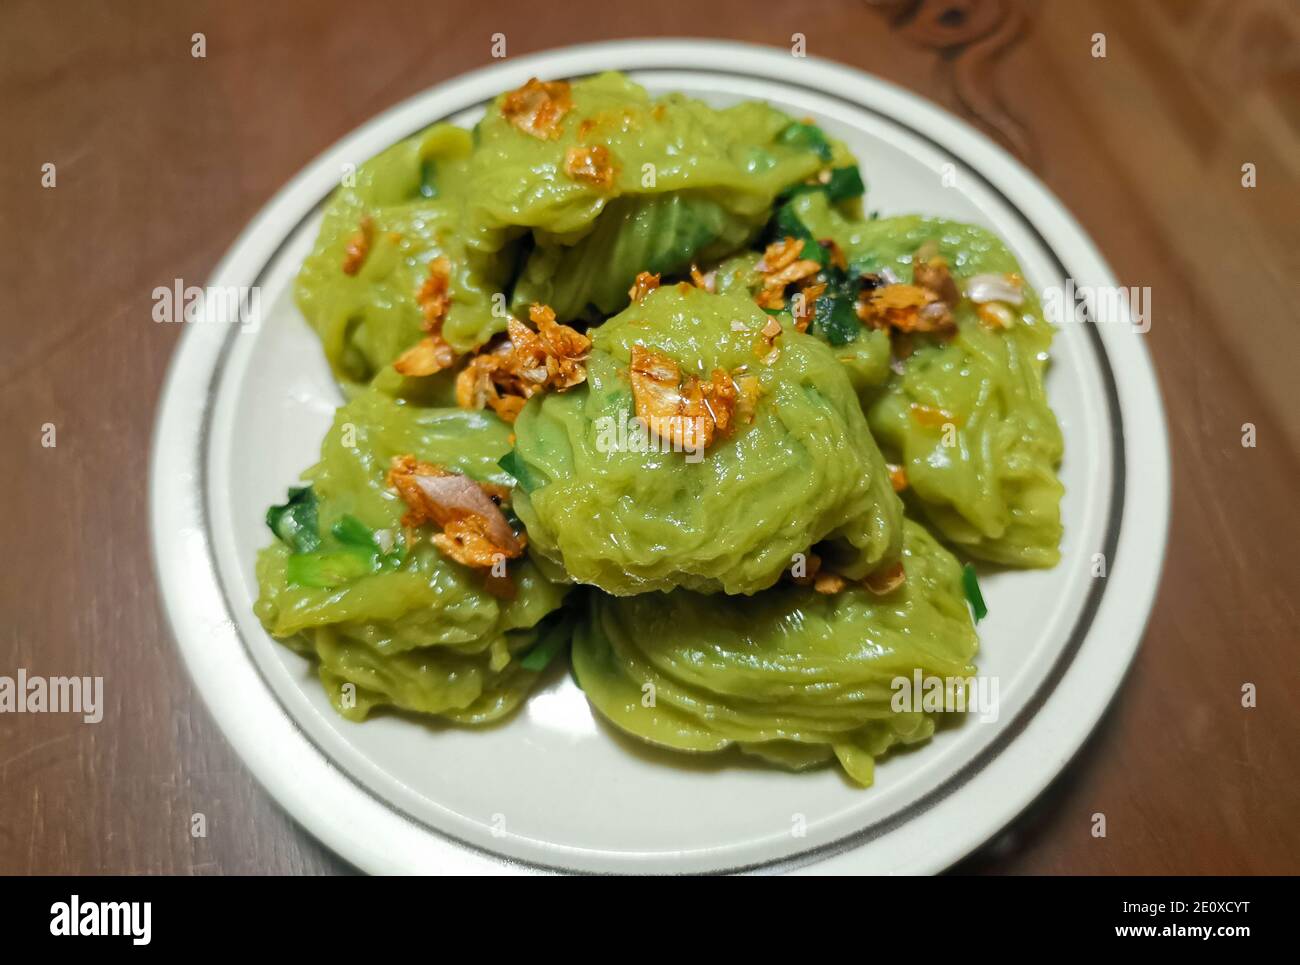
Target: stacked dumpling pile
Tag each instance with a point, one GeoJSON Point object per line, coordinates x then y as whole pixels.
{"type": "Point", "coordinates": [624, 374]}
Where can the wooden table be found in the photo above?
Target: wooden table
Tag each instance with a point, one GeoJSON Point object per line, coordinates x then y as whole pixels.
{"type": "Point", "coordinates": [161, 157]}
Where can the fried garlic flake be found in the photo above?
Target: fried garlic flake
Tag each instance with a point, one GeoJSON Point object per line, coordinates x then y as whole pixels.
{"type": "Point", "coordinates": [592, 165]}
{"type": "Point", "coordinates": [748, 389]}
{"type": "Point", "coordinates": [933, 275]}
{"type": "Point", "coordinates": [781, 266]}
{"type": "Point", "coordinates": [474, 385]}
{"type": "Point", "coordinates": [836, 254]}
{"type": "Point", "coordinates": [538, 107]}
{"type": "Point", "coordinates": [434, 296]}
{"type": "Point", "coordinates": [829, 583]}
{"type": "Point", "coordinates": [897, 477]}
{"type": "Point", "coordinates": [645, 283]}
{"type": "Point", "coordinates": [905, 308]}
{"type": "Point", "coordinates": [429, 355]}
{"type": "Point", "coordinates": [805, 304]}
{"type": "Point", "coordinates": [702, 280]}
{"type": "Point", "coordinates": [765, 346]}
{"type": "Point", "coordinates": [689, 414]}
{"type": "Point", "coordinates": [474, 530]}
{"type": "Point", "coordinates": [779, 254]}
{"type": "Point", "coordinates": [354, 256]}
{"type": "Point", "coordinates": [506, 376]}
{"type": "Point", "coordinates": [566, 349]}
{"type": "Point", "coordinates": [886, 580]}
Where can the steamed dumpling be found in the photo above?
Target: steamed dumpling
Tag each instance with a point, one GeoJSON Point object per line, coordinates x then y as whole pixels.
{"type": "Point", "coordinates": [800, 471]}
{"type": "Point", "coordinates": [791, 674]}
{"type": "Point", "coordinates": [988, 484]}
{"type": "Point", "coordinates": [613, 182]}
{"type": "Point", "coordinates": [390, 621]}
{"type": "Point", "coordinates": [398, 212]}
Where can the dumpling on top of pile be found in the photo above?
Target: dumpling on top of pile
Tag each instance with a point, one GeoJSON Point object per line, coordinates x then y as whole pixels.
{"type": "Point", "coordinates": [612, 182]}
{"type": "Point", "coordinates": [709, 448]}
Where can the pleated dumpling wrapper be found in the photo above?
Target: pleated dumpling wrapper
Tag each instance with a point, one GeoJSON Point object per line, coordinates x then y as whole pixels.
{"type": "Point", "coordinates": [965, 411]}
{"type": "Point", "coordinates": [793, 675]}
{"type": "Point", "coordinates": [389, 617]}
{"type": "Point", "coordinates": [390, 266]}
{"type": "Point", "coordinates": [608, 181]}
{"type": "Point", "coordinates": [710, 449]}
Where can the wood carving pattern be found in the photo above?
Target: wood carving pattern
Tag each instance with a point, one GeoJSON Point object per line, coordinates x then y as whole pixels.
{"type": "Point", "coordinates": [970, 36]}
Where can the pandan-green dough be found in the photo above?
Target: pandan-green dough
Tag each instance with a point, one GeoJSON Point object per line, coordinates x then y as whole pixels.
{"type": "Point", "coordinates": [629, 518]}
{"type": "Point", "coordinates": [690, 630]}
{"type": "Point", "coordinates": [795, 676]}
{"type": "Point", "coordinates": [989, 484]}
{"type": "Point", "coordinates": [692, 183]}
{"type": "Point", "coordinates": [414, 195]}
{"type": "Point", "coordinates": [400, 623]}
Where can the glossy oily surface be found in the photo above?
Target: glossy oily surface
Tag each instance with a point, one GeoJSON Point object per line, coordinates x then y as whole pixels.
{"type": "Point", "coordinates": [620, 514]}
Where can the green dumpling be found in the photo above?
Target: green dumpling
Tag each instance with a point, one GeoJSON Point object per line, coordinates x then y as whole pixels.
{"type": "Point", "coordinates": [988, 484]}
{"type": "Point", "coordinates": [794, 675]}
{"type": "Point", "coordinates": [414, 195]}
{"type": "Point", "coordinates": [601, 499]}
{"type": "Point", "coordinates": [680, 182]}
{"type": "Point", "coordinates": [399, 622]}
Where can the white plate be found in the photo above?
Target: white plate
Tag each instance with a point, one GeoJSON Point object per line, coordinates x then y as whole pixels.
{"type": "Point", "coordinates": [244, 410]}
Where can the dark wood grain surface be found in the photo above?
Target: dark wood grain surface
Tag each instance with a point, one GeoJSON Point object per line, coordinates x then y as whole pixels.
{"type": "Point", "coordinates": [161, 157]}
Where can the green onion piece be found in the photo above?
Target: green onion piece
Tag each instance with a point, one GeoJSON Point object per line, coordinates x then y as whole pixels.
{"type": "Point", "coordinates": [544, 651]}
{"type": "Point", "coordinates": [971, 585]}
{"type": "Point", "coordinates": [843, 183]}
{"type": "Point", "coordinates": [835, 316]}
{"type": "Point", "coordinates": [294, 523]}
{"type": "Point", "coordinates": [330, 569]}
{"type": "Point", "coordinates": [352, 532]}
{"type": "Point", "coordinates": [428, 187]}
{"type": "Point", "coordinates": [835, 313]}
{"type": "Point", "coordinates": [786, 223]}
{"type": "Point", "coordinates": [807, 136]}
{"type": "Point", "coordinates": [512, 464]}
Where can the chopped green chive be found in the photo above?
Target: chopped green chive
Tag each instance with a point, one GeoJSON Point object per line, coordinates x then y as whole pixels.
{"type": "Point", "coordinates": [514, 466]}
{"type": "Point", "coordinates": [970, 583]}
{"type": "Point", "coordinates": [835, 317]}
{"type": "Point", "coordinates": [808, 136]}
{"type": "Point", "coordinates": [294, 522]}
{"type": "Point", "coordinates": [552, 642]}
{"type": "Point", "coordinates": [428, 187]}
{"type": "Point", "coordinates": [352, 532]}
{"type": "Point", "coordinates": [842, 184]}
{"type": "Point", "coordinates": [330, 569]}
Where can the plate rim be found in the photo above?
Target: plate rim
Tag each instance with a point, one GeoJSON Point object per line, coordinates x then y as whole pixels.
{"type": "Point", "coordinates": [199, 355]}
